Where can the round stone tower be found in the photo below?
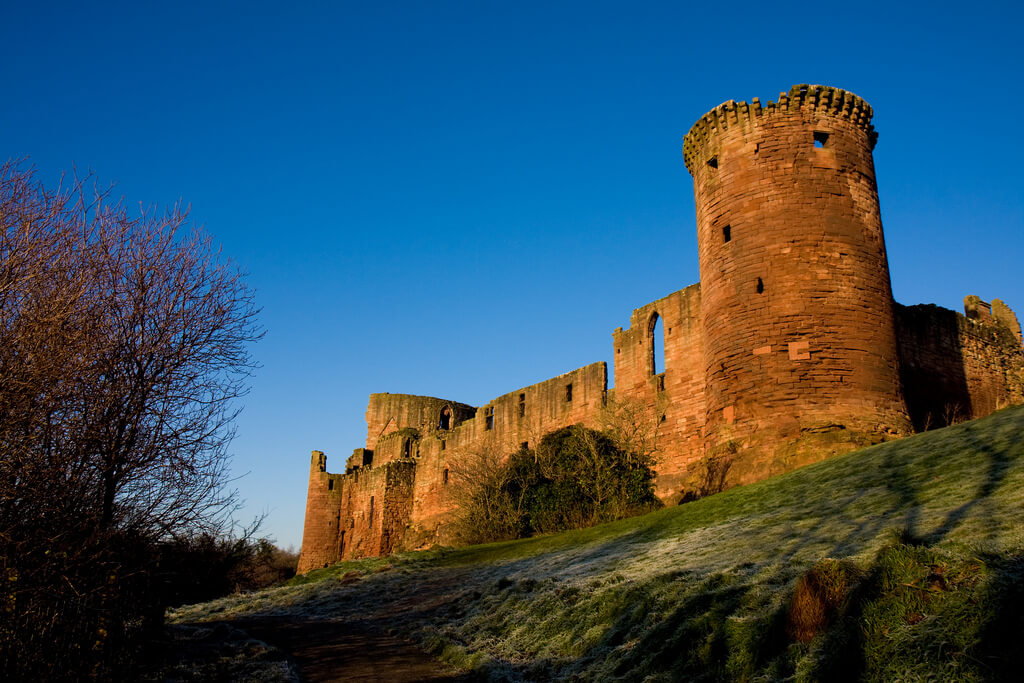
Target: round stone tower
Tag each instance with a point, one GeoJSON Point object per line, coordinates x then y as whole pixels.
{"type": "Point", "coordinates": [800, 355]}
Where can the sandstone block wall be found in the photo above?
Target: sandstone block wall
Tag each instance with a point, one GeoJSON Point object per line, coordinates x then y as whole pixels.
{"type": "Point", "coordinates": [673, 397]}
{"type": "Point", "coordinates": [323, 512]}
{"type": "Point", "coordinates": [519, 417]}
{"type": "Point", "coordinates": [797, 309]}
{"type": "Point", "coordinates": [958, 367]}
{"type": "Point", "coordinates": [388, 413]}
{"type": "Point", "coordinates": [397, 493]}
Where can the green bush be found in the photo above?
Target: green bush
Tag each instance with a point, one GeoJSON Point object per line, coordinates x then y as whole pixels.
{"type": "Point", "coordinates": [576, 477]}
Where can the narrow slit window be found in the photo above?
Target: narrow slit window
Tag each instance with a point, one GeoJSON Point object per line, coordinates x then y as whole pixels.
{"type": "Point", "coordinates": [446, 419]}
{"type": "Point", "coordinates": [656, 330]}
{"type": "Point", "coordinates": [727, 233]}
{"type": "Point", "coordinates": [444, 476]}
{"type": "Point", "coordinates": [371, 509]}
{"type": "Point", "coordinates": [820, 138]}
{"type": "Point", "coordinates": [444, 444]}
{"type": "Point", "coordinates": [330, 484]}
{"type": "Point", "coordinates": [760, 286]}
{"type": "Point", "coordinates": [490, 418]}
{"type": "Point", "coordinates": [568, 392]}
{"type": "Point", "coordinates": [522, 405]}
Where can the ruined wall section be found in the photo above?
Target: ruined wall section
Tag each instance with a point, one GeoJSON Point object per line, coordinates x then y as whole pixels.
{"type": "Point", "coordinates": [361, 457]}
{"type": "Point", "coordinates": [800, 355]}
{"type": "Point", "coordinates": [396, 514]}
{"type": "Point", "coordinates": [374, 509]}
{"type": "Point", "coordinates": [673, 399]}
{"type": "Point", "coordinates": [499, 428]}
{"type": "Point", "coordinates": [323, 506]}
{"type": "Point", "coordinates": [402, 444]}
{"type": "Point", "coordinates": [397, 492]}
{"type": "Point", "coordinates": [360, 513]}
{"type": "Point", "coordinates": [388, 413]}
{"type": "Point", "coordinates": [957, 367]}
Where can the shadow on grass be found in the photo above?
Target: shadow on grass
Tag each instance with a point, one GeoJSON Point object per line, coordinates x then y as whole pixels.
{"type": "Point", "coordinates": [725, 619]}
{"type": "Point", "coordinates": [919, 613]}
{"type": "Point", "coordinates": [981, 454]}
{"type": "Point", "coordinates": [726, 629]}
{"type": "Point", "coordinates": [999, 639]}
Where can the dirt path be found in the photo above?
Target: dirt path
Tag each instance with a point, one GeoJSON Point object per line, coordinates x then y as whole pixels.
{"type": "Point", "coordinates": [332, 650]}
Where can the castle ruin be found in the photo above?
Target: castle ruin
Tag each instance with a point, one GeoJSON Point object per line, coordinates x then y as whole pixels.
{"type": "Point", "coordinates": [789, 350]}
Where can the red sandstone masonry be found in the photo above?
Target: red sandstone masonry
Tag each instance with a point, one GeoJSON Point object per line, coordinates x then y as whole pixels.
{"type": "Point", "coordinates": [676, 395]}
{"type": "Point", "coordinates": [797, 307]}
{"type": "Point", "coordinates": [959, 367]}
{"type": "Point", "coordinates": [789, 350]}
{"type": "Point", "coordinates": [397, 493]}
{"type": "Point", "coordinates": [323, 509]}
{"type": "Point", "coordinates": [506, 422]}
{"type": "Point", "coordinates": [388, 413]}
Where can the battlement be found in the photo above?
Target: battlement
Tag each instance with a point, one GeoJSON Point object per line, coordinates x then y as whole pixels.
{"type": "Point", "coordinates": [819, 98]}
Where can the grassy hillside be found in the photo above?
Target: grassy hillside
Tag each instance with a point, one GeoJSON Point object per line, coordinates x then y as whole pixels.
{"type": "Point", "coordinates": [904, 561]}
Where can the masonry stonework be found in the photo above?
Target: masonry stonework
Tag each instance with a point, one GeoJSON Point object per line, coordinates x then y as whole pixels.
{"type": "Point", "coordinates": [789, 350]}
{"type": "Point", "coordinates": [799, 332]}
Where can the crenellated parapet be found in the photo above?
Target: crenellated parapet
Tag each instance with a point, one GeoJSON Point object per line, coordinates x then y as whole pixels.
{"type": "Point", "coordinates": [821, 99]}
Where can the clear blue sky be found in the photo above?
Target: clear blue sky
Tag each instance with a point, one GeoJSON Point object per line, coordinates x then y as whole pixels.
{"type": "Point", "coordinates": [459, 199]}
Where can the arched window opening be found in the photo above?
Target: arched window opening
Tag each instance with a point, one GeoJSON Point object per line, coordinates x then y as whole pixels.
{"type": "Point", "coordinates": [446, 419]}
{"type": "Point", "coordinates": [657, 333]}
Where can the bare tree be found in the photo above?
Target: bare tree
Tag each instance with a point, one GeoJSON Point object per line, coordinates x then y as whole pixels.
{"type": "Point", "coordinates": [124, 346]}
{"type": "Point", "coordinates": [489, 495]}
{"type": "Point", "coordinates": [633, 425]}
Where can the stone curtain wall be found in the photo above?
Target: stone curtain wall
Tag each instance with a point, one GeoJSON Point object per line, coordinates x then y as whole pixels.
{"type": "Point", "coordinates": [408, 473]}
{"type": "Point", "coordinates": [797, 308]}
{"type": "Point", "coordinates": [956, 367]}
{"type": "Point", "coordinates": [789, 350]}
{"type": "Point", "coordinates": [500, 427]}
{"type": "Point", "coordinates": [675, 396]}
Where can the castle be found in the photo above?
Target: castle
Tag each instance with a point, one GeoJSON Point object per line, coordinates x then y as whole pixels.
{"type": "Point", "coordinates": [789, 350]}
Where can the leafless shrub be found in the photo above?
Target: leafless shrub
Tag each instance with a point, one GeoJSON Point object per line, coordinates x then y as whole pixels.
{"type": "Point", "coordinates": [124, 343]}
{"type": "Point", "coordinates": [953, 414]}
{"type": "Point", "coordinates": [479, 487]}
{"type": "Point", "coordinates": [633, 425]}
